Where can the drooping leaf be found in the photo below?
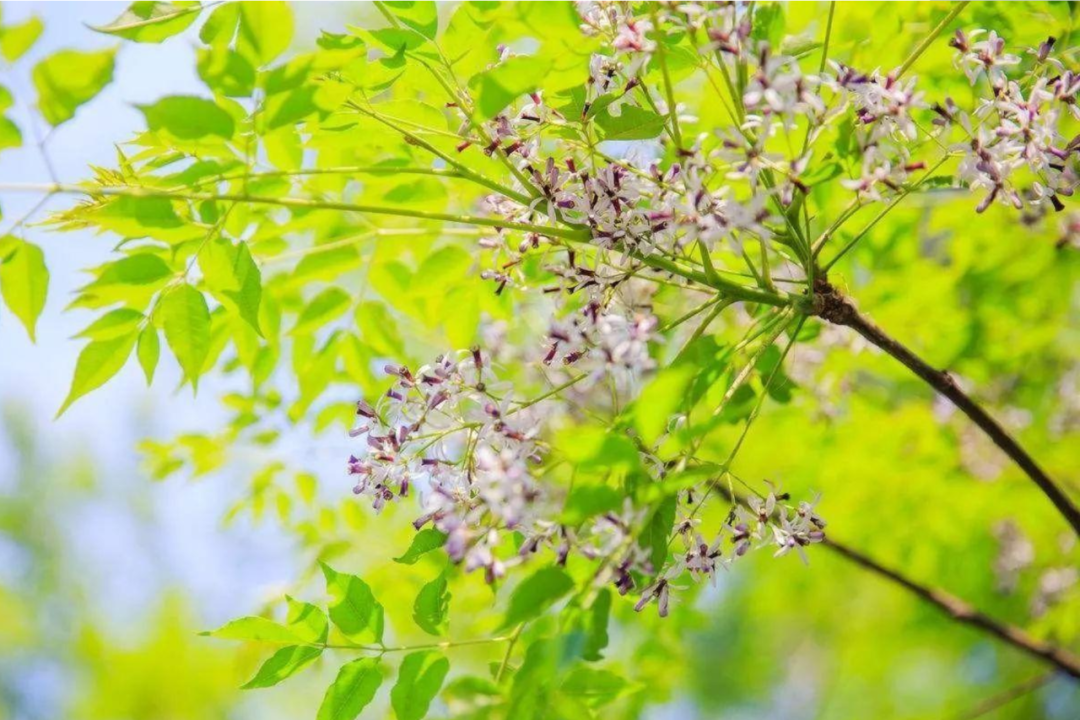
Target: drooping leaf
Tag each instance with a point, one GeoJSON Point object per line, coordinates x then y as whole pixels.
{"type": "Point", "coordinates": [10, 135]}
{"type": "Point", "coordinates": [97, 362]}
{"type": "Point", "coordinates": [185, 318]}
{"type": "Point", "coordinates": [285, 662]}
{"type": "Point", "coordinates": [226, 71]}
{"type": "Point", "coordinates": [419, 679]}
{"type": "Point", "coordinates": [632, 123]}
{"type": "Point", "coordinates": [254, 629]}
{"type": "Point", "coordinates": [188, 117]}
{"type": "Point", "coordinates": [70, 78]}
{"type": "Point", "coordinates": [113, 324]}
{"type": "Point", "coordinates": [353, 690]}
{"type": "Point", "coordinates": [423, 542]}
{"type": "Point", "coordinates": [234, 278]}
{"type": "Point", "coordinates": [498, 87]}
{"type": "Point", "coordinates": [432, 607]}
{"type": "Point", "coordinates": [16, 40]}
{"type": "Point", "coordinates": [323, 308]}
{"type": "Point", "coordinates": [152, 22]}
{"type": "Point", "coordinates": [535, 594]}
{"type": "Point", "coordinates": [423, 17]}
{"type": "Point", "coordinates": [353, 607]}
{"type": "Point", "coordinates": [24, 280]}
{"type": "Point", "coordinates": [266, 29]}
{"type": "Point", "coordinates": [148, 351]}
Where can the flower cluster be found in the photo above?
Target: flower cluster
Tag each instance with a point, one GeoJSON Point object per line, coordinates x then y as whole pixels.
{"type": "Point", "coordinates": [762, 522]}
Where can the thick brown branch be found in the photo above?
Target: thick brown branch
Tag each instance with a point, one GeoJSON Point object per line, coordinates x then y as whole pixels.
{"type": "Point", "coordinates": [952, 606]}
{"type": "Point", "coordinates": [963, 613]}
{"type": "Point", "coordinates": [831, 305]}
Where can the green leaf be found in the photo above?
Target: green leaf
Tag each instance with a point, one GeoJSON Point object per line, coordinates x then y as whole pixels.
{"type": "Point", "coordinates": [266, 29]}
{"type": "Point", "coordinates": [419, 679]}
{"type": "Point", "coordinates": [655, 536]}
{"type": "Point", "coordinates": [423, 542]}
{"type": "Point", "coordinates": [15, 40]}
{"type": "Point", "coordinates": [97, 362]}
{"type": "Point", "coordinates": [423, 17]}
{"type": "Point", "coordinates": [353, 607]}
{"type": "Point", "coordinates": [594, 623]}
{"type": "Point", "coordinates": [152, 22]}
{"type": "Point", "coordinates": [432, 607]}
{"type": "Point", "coordinates": [586, 501]}
{"type": "Point", "coordinates": [501, 85]}
{"type": "Point", "coordinates": [594, 687]}
{"type": "Point", "coordinates": [148, 351]}
{"type": "Point", "coordinates": [185, 318]}
{"type": "Point", "coordinates": [140, 269]}
{"type": "Point", "coordinates": [632, 123]}
{"type": "Point", "coordinates": [24, 280]}
{"type": "Point", "coordinates": [234, 278]}
{"type": "Point", "coordinates": [285, 662]}
{"type": "Point", "coordinates": [10, 135]}
{"type": "Point", "coordinates": [70, 78]}
{"type": "Point", "coordinates": [254, 629]}
{"type": "Point", "coordinates": [308, 622]}
{"type": "Point", "coordinates": [352, 690]}
{"type": "Point", "coordinates": [323, 308]}
{"type": "Point", "coordinates": [113, 324]}
{"type": "Point", "coordinates": [226, 71]}
{"type": "Point", "coordinates": [219, 28]}
{"type": "Point", "coordinates": [188, 117]}
{"type": "Point", "coordinates": [659, 400]}
{"type": "Point", "coordinates": [535, 594]}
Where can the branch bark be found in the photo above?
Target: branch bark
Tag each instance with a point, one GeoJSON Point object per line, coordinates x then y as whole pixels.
{"type": "Point", "coordinates": [833, 306]}
{"type": "Point", "coordinates": [952, 606]}
{"type": "Point", "coordinates": [965, 614]}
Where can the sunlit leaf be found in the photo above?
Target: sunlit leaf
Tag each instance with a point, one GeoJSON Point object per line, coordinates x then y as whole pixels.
{"type": "Point", "coordinates": [353, 607]}
{"type": "Point", "coordinates": [432, 606]}
{"type": "Point", "coordinates": [97, 363]}
{"type": "Point", "coordinates": [282, 664]}
{"type": "Point", "coordinates": [24, 280]}
{"type": "Point", "coordinates": [536, 594]}
{"type": "Point", "coordinates": [152, 22]}
{"type": "Point", "coordinates": [423, 542]}
{"type": "Point", "coordinates": [148, 351]}
{"type": "Point", "coordinates": [16, 40]}
{"type": "Point", "coordinates": [185, 318]}
{"type": "Point", "coordinates": [188, 118]}
{"type": "Point", "coordinates": [70, 78]}
{"type": "Point", "coordinates": [266, 29]}
{"type": "Point", "coordinates": [352, 691]}
{"type": "Point", "coordinates": [419, 679]}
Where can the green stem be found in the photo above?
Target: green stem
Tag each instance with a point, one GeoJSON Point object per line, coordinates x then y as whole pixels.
{"type": "Point", "coordinates": [929, 39]}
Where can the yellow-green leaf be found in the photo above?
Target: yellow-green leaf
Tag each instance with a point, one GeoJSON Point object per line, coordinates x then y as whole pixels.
{"type": "Point", "coordinates": [148, 351]}
{"type": "Point", "coordinates": [152, 22]}
{"type": "Point", "coordinates": [352, 690]}
{"type": "Point", "coordinates": [419, 679]}
{"type": "Point", "coordinates": [97, 363]}
{"type": "Point", "coordinates": [70, 78]}
{"type": "Point", "coordinates": [185, 318]}
{"type": "Point", "coordinates": [24, 280]}
{"type": "Point", "coordinates": [189, 118]}
{"type": "Point", "coordinates": [15, 40]}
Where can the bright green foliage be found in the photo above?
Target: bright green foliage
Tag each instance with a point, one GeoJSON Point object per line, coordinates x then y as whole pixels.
{"type": "Point", "coordinates": [152, 22]}
{"type": "Point", "coordinates": [535, 594]}
{"type": "Point", "coordinates": [189, 118]}
{"type": "Point", "coordinates": [24, 280]}
{"type": "Point", "coordinates": [352, 690]}
{"type": "Point", "coordinates": [98, 362]}
{"type": "Point", "coordinates": [419, 679]}
{"type": "Point", "coordinates": [423, 542]}
{"type": "Point", "coordinates": [16, 40]}
{"type": "Point", "coordinates": [186, 319]}
{"type": "Point", "coordinates": [68, 79]}
{"type": "Point", "coordinates": [431, 609]}
{"type": "Point", "coordinates": [286, 229]}
{"type": "Point", "coordinates": [353, 607]}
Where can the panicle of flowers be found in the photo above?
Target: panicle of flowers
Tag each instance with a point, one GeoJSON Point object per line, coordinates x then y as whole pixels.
{"type": "Point", "coordinates": [763, 522]}
{"type": "Point", "coordinates": [1019, 126]}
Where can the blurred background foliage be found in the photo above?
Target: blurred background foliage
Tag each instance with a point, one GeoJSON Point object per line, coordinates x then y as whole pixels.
{"type": "Point", "coordinates": [903, 477]}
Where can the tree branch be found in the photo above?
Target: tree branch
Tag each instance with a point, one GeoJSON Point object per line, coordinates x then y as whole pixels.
{"type": "Point", "coordinates": [952, 606]}
{"type": "Point", "coordinates": [965, 614]}
{"type": "Point", "coordinates": [833, 306]}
